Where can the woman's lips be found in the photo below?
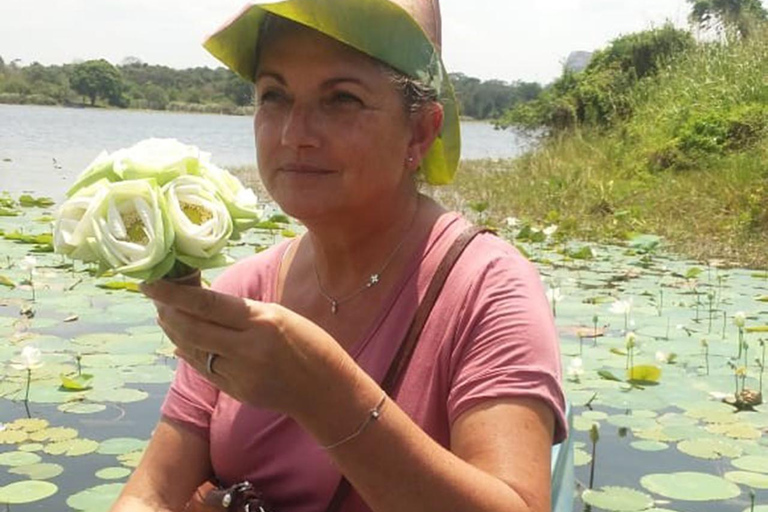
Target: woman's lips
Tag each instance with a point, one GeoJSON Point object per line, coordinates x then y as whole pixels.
{"type": "Point", "coordinates": [304, 169]}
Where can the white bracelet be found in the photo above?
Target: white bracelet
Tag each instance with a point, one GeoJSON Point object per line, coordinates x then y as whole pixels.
{"type": "Point", "coordinates": [373, 415]}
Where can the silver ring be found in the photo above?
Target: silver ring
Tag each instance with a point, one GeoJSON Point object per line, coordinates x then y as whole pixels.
{"type": "Point", "coordinates": [209, 363]}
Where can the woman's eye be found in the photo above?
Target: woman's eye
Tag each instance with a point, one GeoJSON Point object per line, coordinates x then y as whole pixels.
{"type": "Point", "coordinates": [270, 97]}
{"type": "Point", "coordinates": [345, 98]}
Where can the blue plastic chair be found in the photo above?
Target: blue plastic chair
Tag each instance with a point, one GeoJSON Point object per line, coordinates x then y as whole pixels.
{"type": "Point", "coordinates": [563, 478]}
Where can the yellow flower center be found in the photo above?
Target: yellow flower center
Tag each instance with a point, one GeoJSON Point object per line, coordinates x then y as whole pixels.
{"type": "Point", "coordinates": [196, 213]}
{"type": "Point", "coordinates": [135, 229]}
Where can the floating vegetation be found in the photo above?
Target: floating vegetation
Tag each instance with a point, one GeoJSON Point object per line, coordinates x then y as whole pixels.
{"type": "Point", "coordinates": [657, 366]}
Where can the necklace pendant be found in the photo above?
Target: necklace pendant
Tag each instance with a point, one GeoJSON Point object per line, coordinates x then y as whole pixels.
{"type": "Point", "coordinates": [334, 306]}
{"type": "Point", "coordinates": [374, 279]}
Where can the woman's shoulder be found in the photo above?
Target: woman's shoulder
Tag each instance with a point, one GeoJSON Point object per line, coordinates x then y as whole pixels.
{"type": "Point", "coordinates": [253, 276]}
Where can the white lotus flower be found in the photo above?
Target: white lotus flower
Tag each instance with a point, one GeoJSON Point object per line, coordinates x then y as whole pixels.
{"type": "Point", "coordinates": [575, 368]}
{"type": "Point", "coordinates": [31, 358]}
{"type": "Point", "coordinates": [554, 295]}
{"type": "Point", "coordinates": [28, 264]}
{"type": "Point", "coordinates": [241, 202]}
{"type": "Point", "coordinates": [740, 319]}
{"type": "Point", "coordinates": [662, 357]}
{"type": "Point", "coordinates": [131, 234]}
{"type": "Point", "coordinates": [73, 225]}
{"type": "Point", "coordinates": [622, 307]}
{"type": "Point", "coordinates": [200, 219]}
{"type": "Point", "coordinates": [160, 159]}
{"type": "Point", "coordinates": [550, 230]}
{"type": "Point", "coordinates": [102, 168]}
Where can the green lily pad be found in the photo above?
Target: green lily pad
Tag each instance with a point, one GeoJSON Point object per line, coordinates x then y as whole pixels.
{"type": "Point", "coordinates": [72, 447]}
{"type": "Point", "coordinates": [76, 382]}
{"type": "Point", "coordinates": [28, 424]}
{"type": "Point", "coordinates": [754, 480]}
{"type": "Point", "coordinates": [28, 491]}
{"type": "Point", "coordinates": [31, 447]}
{"type": "Point", "coordinates": [54, 434]}
{"type": "Point", "coordinates": [711, 449]}
{"type": "Point", "coordinates": [13, 436]}
{"type": "Point", "coordinates": [581, 457]}
{"type": "Point", "coordinates": [752, 463]}
{"type": "Point", "coordinates": [40, 471]}
{"type": "Point", "coordinates": [18, 458]}
{"type": "Point", "coordinates": [99, 497]}
{"type": "Point", "coordinates": [121, 445]}
{"type": "Point", "coordinates": [617, 499]}
{"type": "Point", "coordinates": [690, 486]}
{"type": "Point", "coordinates": [81, 408]}
{"type": "Point", "coordinates": [649, 446]}
{"type": "Point", "coordinates": [113, 473]}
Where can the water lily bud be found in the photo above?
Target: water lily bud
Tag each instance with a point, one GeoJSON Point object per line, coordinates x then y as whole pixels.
{"type": "Point", "coordinates": [594, 433]}
{"type": "Point", "coordinates": [741, 371]}
{"type": "Point", "coordinates": [631, 340]}
{"type": "Point", "coordinates": [740, 319]}
{"type": "Point", "coordinates": [200, 219]}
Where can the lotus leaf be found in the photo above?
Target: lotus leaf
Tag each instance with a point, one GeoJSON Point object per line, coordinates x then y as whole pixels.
{"type": "Point", "coordinates": [28, 424]}
{"type": "Point", "coordinates": [617, 499]}
{"type": "Point", "coordinates": [649, 446]}
{"type": "Point", "coordinates": [81, 408]}
{"type": "Point", "coordinates": [752, 463]}
{"type": "Point", "coordinates": [54, 434]}
{"type": "Point", "coordinates": [113, 473]}
{"type": "Point", "coordinates": [72, 447]}
{"type": "Point", "coordinates": [581, 457]}
{"type": "Point", "coordinates": [122, 395]}
{"type": "Point", "coordinates": [690, 486]}
{"type": "Point", "coordinates": [754, 480]}
{"type": "Point", "coordinates": [99, 497]}
{"type": "Point", "coordinates": [40, 471]}
{"type": "Point", "coordinates": [31, 447]}
{"type": "Point", "coordinates": [131, 459]}
{"type": "Point", "coordinates": [121, 445]}
{"type": "Point", "coordinates": [709, 449]}
{"type": "Point", "coordinates": [18, 458]}
{"type": "Point", "coordinates": [13, 436]}
{"type": "Point", "coordinates": [736, 431]}
{"type": "Point", "coordinates": [28, 491]}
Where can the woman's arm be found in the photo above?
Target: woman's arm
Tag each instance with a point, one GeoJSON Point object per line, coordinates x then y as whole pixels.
{"type": "Point", "coordinates": [499, 458]}
{"type": "Point", "coordinates": [271, 357]}
{"type": "Point", "coordinates": [175, 463]}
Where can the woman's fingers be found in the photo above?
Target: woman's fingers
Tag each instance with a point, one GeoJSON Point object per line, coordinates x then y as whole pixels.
{"type": "Point", "coordinates": [191, 333]}
{"type": "Point", "coordinates": [218, 308]}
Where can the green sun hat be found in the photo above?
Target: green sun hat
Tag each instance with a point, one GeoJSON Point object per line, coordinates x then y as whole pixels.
{"type": "Point", "coordinates": [379, 28]}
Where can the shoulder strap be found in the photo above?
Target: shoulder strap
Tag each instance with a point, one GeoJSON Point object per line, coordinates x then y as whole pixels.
{"type": "Point", "coordinates": [399, 364]}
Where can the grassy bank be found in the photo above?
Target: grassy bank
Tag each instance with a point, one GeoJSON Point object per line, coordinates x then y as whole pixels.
{"type": "Point", "coordinates": [690, 164]}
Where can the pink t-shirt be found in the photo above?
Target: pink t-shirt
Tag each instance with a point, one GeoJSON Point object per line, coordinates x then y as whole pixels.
{"type": "Point", "coordinates": [490, 335]}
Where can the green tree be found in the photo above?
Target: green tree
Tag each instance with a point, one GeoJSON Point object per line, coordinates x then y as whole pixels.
{"type": "Point", "coordinates": [725, 16]}
{"type": "Point", "coordinates": [98, 79]}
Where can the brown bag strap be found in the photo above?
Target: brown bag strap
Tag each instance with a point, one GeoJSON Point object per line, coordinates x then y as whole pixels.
{"type": "Point", "coordinates": [399, 364]}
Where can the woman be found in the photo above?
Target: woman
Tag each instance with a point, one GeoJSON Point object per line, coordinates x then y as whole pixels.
{"type": "Point", "coordinates": [279, 382]}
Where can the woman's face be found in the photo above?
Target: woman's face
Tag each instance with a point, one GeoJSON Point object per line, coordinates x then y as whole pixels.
{"type": "Point", "coordinates": [332, 134]}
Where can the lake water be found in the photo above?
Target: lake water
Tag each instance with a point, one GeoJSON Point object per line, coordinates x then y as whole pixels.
{"type": "Point", "coordinates": [42, 149]}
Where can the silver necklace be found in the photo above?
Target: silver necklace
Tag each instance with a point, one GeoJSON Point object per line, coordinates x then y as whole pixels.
{"type": "Point", "coordinates": [372, 280]}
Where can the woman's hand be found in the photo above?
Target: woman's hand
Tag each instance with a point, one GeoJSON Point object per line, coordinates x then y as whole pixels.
{"type": "Point", "coordinates": [266, 355]}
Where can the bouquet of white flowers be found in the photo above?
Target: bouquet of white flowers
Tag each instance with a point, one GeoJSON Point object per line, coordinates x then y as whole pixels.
{"type": "Point", "coordinates": [159, 208]}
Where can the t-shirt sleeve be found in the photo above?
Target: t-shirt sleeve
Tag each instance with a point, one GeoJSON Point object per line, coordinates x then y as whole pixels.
{"type": "Point", "coordinates": [507, 343]}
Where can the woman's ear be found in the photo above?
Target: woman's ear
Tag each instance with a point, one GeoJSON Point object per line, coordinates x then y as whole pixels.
{"type": "Point", "coordinates": [426, 125]}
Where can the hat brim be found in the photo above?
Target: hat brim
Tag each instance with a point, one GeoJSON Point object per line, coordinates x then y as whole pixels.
{"type": "Point", "coordinates": [378, 28]}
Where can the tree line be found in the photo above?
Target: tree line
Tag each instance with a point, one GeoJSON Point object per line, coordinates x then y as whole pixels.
{"type": "Point", "coordinates": [136, 84]}
{"type": "Point", "coordinates": [604, 94]}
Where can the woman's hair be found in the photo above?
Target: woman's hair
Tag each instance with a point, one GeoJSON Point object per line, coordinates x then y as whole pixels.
{"type": "Point", "coordinates": [415, 94]}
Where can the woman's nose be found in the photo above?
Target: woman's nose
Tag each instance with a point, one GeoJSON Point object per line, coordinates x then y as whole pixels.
{"type": "Point", "coordinates": [299, 128]}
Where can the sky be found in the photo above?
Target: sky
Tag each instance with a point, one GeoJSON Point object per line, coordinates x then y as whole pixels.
{"type": "Point", "coordinates": [489, 39]}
